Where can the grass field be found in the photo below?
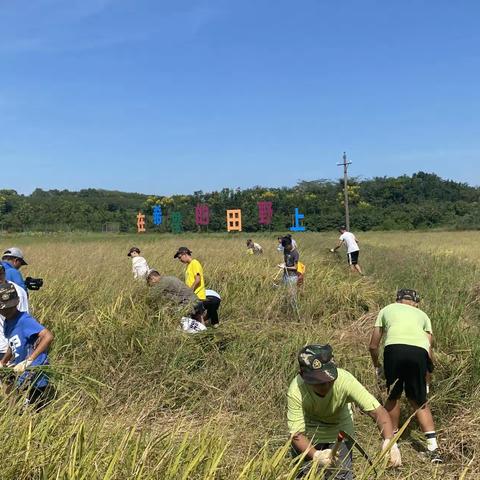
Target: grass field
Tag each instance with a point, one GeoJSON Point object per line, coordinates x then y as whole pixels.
{"type": "Point", "coordinates": [141, 400]}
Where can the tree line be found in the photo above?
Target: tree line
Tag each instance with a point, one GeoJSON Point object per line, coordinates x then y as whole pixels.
{"type": "Point", "coordinates": [423, 200]}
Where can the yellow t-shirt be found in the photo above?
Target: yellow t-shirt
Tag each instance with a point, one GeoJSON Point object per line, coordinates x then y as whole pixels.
{"type": "Point", "coordinates": [194, 268]}
{"type": "Point", "coordinates": [322, 418]}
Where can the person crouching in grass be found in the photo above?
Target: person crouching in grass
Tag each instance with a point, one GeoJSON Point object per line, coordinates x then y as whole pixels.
{"type": "Point", "coordinates": [28, 343]}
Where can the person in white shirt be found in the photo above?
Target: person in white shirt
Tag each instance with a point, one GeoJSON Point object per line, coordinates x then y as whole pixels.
{"type": "Point", "coordinates": [211, 305]}
{"type": "Point", "coordinates": [139, 264]}
{"type": "Point", "coordinates": [22, 307]}
{"type": "Point", "coordinates": [254, 248]}
{"type": "Point", "coordinates": [353, 250]}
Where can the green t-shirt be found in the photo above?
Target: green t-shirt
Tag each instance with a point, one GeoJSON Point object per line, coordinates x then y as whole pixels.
{"type": "Point", "coordinates": [404, 324]}
{"type": "Point", "coordinates": [320, 419]}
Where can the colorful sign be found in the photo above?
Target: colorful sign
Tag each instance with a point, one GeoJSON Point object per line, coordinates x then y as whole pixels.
{"type": "Point", "coordinates": [140, 222]}
{"type": "Point", "coordinates": [176, 222]}
{"type": "Point", "coordinates": [265, 213]}
{"type": "Point", "coordinates": [157, 215]}
{"type": "Point", "coordinates": [234, 220]}
{"type": "Point", "coordinates": [202, 214]}
{"type": "Point", "coordinates": [296, 227]}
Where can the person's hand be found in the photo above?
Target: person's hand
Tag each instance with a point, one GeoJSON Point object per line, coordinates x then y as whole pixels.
{"type": "Point", "coordinates": [281, 265]}
{"type": "Point", "coordinates": [332, 250]}
{"type": "Point", "coordinates": [323, 457]}
{"type": "Point", "coordinates": [395, 456]}
{"type": "Point", "coordinates": [379, 372]}
{"type": "Point", "coordinates": [20, 368]}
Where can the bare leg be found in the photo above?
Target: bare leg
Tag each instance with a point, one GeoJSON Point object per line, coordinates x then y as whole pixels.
{"type": "Point", "coordinates": [393, 409]}
{"type": "Point", "coordinates": [358, 269]}
{"type": "Point", "coordinates": [424, 417]}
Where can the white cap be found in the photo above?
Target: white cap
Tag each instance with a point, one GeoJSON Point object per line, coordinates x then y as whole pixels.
{"type": "Point", "coordinates": [14, 252]}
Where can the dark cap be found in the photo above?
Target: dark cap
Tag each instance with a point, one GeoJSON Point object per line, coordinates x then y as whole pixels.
{"type": "Point", "coordinates": [181, 251]}
{"type": "Point", "coordinates": [8, 296]}
{"type": "Point", "coordinates": [133, 249]}
{"type": "Point", "coordinates": [408, 294]}
{"type": "Point", "coordinates": [316, 364]}
{"type": "Point", "coordinates": [342, 227]}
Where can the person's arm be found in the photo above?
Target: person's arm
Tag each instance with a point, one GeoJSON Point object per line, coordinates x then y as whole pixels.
{"type": "Point", "coordinates": [7, 356]}
{"type": "Point", "coordinates": [302, 444]}
{"type": "Point", "coordinates": [338, 245]}
{"type": "Point", "coordinates": [382, 419]}
{"type": "Point", "coordinates": [375, 345]}
{"type": "Point", "coordinates": [197, 282]}
{"type": "Point", "coordinates": [45, 338]}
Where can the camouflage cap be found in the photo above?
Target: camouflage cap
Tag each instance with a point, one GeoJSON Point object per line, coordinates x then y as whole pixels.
{"type": "Point", "coordinates": [408, 294]}
{"type": "Point", "coordinates": [8, 296]}
{"type": "Point", "coordinates": [316, 364]}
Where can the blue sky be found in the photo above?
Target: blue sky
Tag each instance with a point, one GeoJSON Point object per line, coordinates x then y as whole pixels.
{"type": "Point", "coordinates": [172, 97]}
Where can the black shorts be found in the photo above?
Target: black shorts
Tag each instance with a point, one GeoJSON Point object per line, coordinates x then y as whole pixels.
{"type": "Point", "coordinates": [405, 370]}
{"type": "Point", "coordinates": [352, 257]}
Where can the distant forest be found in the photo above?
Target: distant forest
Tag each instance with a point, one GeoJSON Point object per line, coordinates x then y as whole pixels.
{"type": "Point", "coordinates": [420, 201]}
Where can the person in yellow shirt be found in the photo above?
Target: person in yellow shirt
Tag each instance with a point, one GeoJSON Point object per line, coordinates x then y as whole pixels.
{"type": "Point", "coordinates": [193, 273]}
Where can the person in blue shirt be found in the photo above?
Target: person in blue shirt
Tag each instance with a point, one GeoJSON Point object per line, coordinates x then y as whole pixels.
{"type": "Point", "coordinates": [12, 261]}
{"type": "Point", "coordinates": [28, 343]}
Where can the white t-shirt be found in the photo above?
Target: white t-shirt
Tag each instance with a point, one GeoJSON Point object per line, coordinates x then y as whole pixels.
{"type": "Point", "coordinates": [212, 293]}
{"type": "Point", "coordinates": [190, 325]}
{"type": "Point", "coordinates": [350, 242]}
{"type": "Point", "coordinates": [21, 307]}
{"type": "Point", "coordinates": [139, 267]}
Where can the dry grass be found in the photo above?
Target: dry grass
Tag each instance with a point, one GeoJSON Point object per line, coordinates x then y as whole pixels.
{"type": "Point", "coordinates": [140, 399]}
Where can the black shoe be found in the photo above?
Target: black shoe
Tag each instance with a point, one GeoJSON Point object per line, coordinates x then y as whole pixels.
{"type": "Point", "coordinates": [434, 456]}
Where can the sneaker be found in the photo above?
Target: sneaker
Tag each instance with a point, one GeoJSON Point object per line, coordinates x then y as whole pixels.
{"type": "Point", "coordinates": [216, 325]}
{"type": "Point", "coordinates": [434, 456]}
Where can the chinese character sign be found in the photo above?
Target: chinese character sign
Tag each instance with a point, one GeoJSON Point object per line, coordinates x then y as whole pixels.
{"type": "Point", "coordinates": [176, 222]}
{"type": "Point", "coordinates": [265, 213]}
{"type": "Point", "coordinates": [234, 220]}
{"type": "Point", "coordinates": [202, 214]}
{"type": "Point", "coordinates": [157, 215]}
{"type": "Point", "coordinates": [296, 227]}
{"type": "Point", "coordinates": [140, 222]}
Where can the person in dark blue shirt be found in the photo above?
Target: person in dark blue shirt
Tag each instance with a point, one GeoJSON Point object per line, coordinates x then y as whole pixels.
{"type": "Point", "coordinates": [28, 343]}
{"type": "Point", "coordinates": [12, 261]}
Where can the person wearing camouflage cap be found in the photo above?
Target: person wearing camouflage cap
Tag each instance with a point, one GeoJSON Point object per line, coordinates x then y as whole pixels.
{"type": "Point", "coordinates": [407, 359]}
{"type": "Point", "coordinates": [318, 409]}
{"type": "Point", "coordinates": [28, 343]}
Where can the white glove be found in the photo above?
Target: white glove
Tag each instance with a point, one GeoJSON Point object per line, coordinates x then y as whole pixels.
{"type": "Point", "coordinates": [323, 457]}
{"type": "Point", "coordinates": [395, 456]}
{"type": "Point", "coordinates": [380, 373]}
{"type": "Point", "coordinates": [20, 368]}
{"type": "Point", "coordinates": [332, 250]}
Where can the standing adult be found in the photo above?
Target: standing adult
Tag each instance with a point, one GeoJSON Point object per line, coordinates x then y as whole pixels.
{"type": "Point", "coordinates": [13, 260]}
{"type": "Point", "coordinates": [353, 250]}
{"type": "Point", "coordinates": [406, 359]}
{"type": "Point", "coordinates": [193, 273]}
{"type": "Point", "coordinates": [28, 343]}
{"type": "Point", "coordinates": [319, 400]}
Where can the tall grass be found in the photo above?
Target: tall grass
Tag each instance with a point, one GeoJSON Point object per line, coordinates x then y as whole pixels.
{"type": "Point", "coordinates": [138, 399]}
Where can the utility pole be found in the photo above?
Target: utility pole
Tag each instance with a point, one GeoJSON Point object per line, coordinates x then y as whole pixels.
{"type": "Point", "coordinates": [345, 165]}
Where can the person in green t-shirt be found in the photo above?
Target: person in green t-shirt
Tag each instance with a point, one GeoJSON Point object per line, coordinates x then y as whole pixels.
{"type": "Point", "coordinates": [319, 400]}
{"type": "Point", "coordinates": [407, 359]}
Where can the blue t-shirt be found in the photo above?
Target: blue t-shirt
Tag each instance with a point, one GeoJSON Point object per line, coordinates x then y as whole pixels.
{"type": "Point", "coordinates": [21, 333]}
{"type": "Point", "coordinates": [14, 275]}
